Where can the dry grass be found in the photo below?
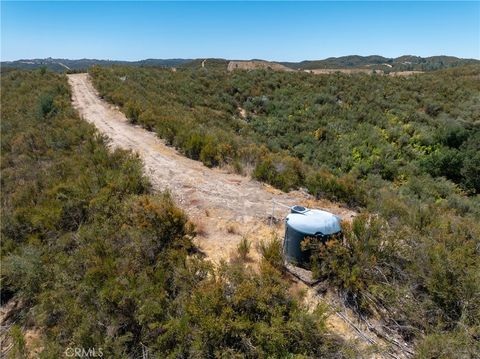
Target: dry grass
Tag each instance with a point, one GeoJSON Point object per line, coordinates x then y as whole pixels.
{"type": "Point", "coordinates": [232, 228]}
{"type": "Point", "coordinates": [200, 226]}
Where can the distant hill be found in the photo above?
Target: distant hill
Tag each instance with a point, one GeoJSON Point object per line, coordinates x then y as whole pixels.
{"type": "Point", "coordinates": [208, 63]}
{"type": "Point", "coordinates": [257, 64]}
{"type": "Point", "coordinates": [60, 65]}
{"type": "Point", "coordinates": [402, 63]}
{"type": "Point", "coordinates": [374, 62]}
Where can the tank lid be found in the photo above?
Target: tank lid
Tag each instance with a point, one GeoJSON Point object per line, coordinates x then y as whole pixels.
{"type": "Point", "coordinates": [314, 221]}
{"type": "Point", "coordinates": [299, 209]}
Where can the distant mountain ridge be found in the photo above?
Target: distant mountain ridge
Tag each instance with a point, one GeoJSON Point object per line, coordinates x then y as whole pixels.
{"type": "Point", "coordinates": [402, 63]}
{"type": "Point", "coordinates": [61, 65]}
{"type": "Point", "coordinates": [375, 62]}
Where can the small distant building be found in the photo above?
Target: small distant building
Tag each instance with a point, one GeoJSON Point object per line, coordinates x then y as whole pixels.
{"type": "Point", "coordinates": [303, 224]}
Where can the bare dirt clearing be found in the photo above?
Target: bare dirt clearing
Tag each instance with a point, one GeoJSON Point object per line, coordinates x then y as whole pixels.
{"type": "Point", "coordinates": [343, 71]}
{"type": "Point", "coordinates": [257, 64]}
{"type": "Point", "coordinates": [225, 206]}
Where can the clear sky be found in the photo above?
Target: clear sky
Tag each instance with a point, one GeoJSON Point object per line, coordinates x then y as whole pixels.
{"type": "Point", "coordinates": [288, 31]}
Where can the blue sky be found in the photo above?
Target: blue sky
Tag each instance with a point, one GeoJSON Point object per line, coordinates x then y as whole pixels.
{"type": "Point", "coordinates": [289, 31]}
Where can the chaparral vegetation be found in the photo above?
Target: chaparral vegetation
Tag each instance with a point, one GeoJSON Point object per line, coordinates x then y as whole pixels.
{"type": "Point", "coordinates": [404, 151]}
{"type": "Point", "coordinates": [94, 259]}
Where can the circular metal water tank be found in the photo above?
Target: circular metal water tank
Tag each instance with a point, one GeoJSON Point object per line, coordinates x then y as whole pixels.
{"type": "Point", "coordinates": [303, 222]}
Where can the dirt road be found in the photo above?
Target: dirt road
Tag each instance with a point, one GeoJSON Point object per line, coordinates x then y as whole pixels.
{"type": "Point", "coordinates": [225, 206]}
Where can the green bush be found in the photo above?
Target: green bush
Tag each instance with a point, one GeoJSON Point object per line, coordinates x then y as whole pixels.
{"type": "Point", "coordinates": [471, 163]}
{"type": "Point", "coordinates": [444, 162]}
{"type": "Point", "coordinates": [265, 171]}
{"type": "Point", "coordinates": [209, 154]}
{"type": "Point", "coordinates": [19, 346]}
{"type": "Point", "coordinates": [285, 174]}
{"type": "Point", "coordinates": [258, 319]}
{"type": "Point", "coordinates": [133, 111]}
{"type": "Point", "coordinates": [46, 105]}
{"type": "Point", "coordinates": [243, 248]}
{"type": "Point", "coordinates": [194, 145]}
{"type": "Point", "coordinates": [345, 189]}
{"type": "Point", "coordinates": [448, 345]}
{"type": "Point", "coordinates": [351, 264]}
{"type": "Point", "coordinates": [272, 252]}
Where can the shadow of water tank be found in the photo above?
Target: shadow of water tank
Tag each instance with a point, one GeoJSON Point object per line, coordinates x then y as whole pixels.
{"type": "Point", "coordinates": [303, 223]}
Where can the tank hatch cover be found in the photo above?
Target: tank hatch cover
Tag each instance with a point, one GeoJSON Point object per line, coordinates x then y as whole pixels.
{"type": "Point", "coordinates": [313, 222]}
{"type": "Point", "coordinates": [299, 209]}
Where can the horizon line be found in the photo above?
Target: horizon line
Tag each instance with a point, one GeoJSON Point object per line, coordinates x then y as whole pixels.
{"type": "Point", "coordinates": [230, 59]}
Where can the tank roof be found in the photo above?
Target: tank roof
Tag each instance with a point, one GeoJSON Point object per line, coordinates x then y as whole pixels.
{"type": "Point", "coordinates": [313, 221]}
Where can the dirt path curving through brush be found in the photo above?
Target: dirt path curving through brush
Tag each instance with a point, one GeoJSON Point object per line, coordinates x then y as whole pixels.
{"type": "Point", "coordinates": [230, 205]}
{"type": "Point", "coordinates": [225, 206]}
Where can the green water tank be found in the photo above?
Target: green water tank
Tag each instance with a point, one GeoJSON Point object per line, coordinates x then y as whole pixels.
{"type": "Point", "coordinates": [303, 222]}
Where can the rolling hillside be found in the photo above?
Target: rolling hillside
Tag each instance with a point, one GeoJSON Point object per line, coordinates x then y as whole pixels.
{"type": "Point", "coordinates": [402, 63]}
{"type": "Point", "coordinates": [62, 65]}
{"type": "Point", "coordinates": [403, 151]}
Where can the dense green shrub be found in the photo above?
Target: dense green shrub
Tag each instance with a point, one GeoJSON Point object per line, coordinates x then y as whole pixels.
{"type": "Point", "coordinates": [471, 163]}
{"type": "Point", "coordinates": [284, 173]}
{"type": "Point", "coordinates": [46, 105]}
{"type": "Point", "coordinates": [271, 252]}
{"type": "Point", "coordinates": [353, 263]}
{"type": "Point", "coordinates": [448, 345]}
{"type": "Point", "coordinates": [444, 162]}
{"type": "Point", "coordinates": [425, 274]}
{"type": "Point", "coordinates": [345, 189]}
{"type": "Point", "coordinates": [133, 111]}
{"type": "Point", "coordinates": [249, 325]}
{"type": "Point", "coordinates": [194, 145]}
